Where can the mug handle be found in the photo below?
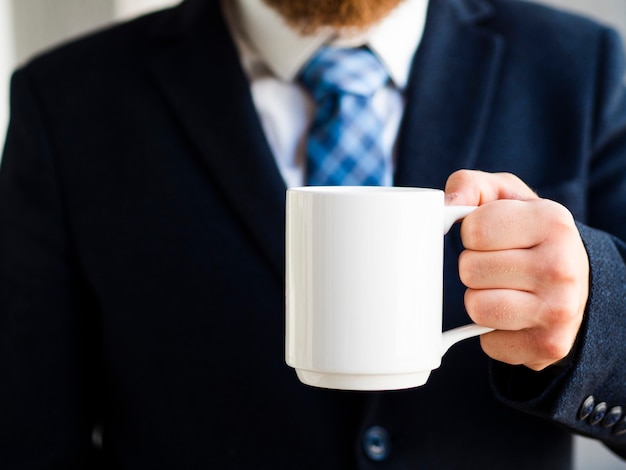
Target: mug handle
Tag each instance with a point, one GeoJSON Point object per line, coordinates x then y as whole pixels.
{"type": "Point", "coordinates": [453, 214]}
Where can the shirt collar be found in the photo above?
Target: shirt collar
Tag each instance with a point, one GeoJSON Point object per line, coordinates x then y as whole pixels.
{"type": "Point", "coordinates": [394, 40]}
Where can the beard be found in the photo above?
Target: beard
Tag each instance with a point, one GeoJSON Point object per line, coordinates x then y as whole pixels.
{"type": "Point", "coordinates": [308, 16]}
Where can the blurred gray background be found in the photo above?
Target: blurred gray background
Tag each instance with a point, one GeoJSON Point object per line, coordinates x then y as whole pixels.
{"type": "Point", "coordinates": [30, 26]}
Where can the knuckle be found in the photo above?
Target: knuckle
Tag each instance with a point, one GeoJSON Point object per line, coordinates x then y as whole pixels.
{"type": "Point", "coordinates": [560, 283]}
{"type": "Point", "coordinates": [560, 313]}
{"type": "Point", "coordinates": [559, 264]}
{"type": "Point", "coordinates": [551, 347]}
{"type": "Point", "coordinates": [462, 176]}
{"type": "Point", "coordinates": [564, 311]}
{"type": "Point", "coordinates": [557, 268]}
{"type": "Point", "coordinates": [555, 351]}
{"type": "Point", "coordinates": [463, 179]}
{"type": "Point", "coordinates": [517, 188]}
{"type": "Point", "coordinates": [510, 178]}
{"type": "Point", "coordinates": [560, 219]}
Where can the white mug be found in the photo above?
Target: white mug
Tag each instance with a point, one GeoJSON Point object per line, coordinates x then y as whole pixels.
{"type": "Point", "coordinates": [364, 285]}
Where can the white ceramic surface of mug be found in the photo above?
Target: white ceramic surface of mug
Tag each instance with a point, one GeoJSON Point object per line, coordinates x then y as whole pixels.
{"type": "Point", "coordinates": [364, 285]}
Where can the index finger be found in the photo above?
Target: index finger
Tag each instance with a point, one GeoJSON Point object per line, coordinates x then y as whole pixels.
{"type": "Point", "coordinates": [475, 188]}
{"type": "Point", "coordinates": [506, 225]}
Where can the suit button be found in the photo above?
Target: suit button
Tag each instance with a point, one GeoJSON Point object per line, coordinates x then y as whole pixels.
{"type": "Point", "coordinates": [612, 417]}
{"type": "Point", "coordinates": [598, 413]}
{"type": "Point", "coordinates": [587, 408]}
{"type": "Point", "coordinates": [620, 427]}
{"type": "Point", "coordinates": [376, 443]}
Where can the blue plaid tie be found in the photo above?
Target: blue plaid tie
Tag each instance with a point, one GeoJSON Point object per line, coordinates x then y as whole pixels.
{"type": "Point", "coordinates": [343, 146]}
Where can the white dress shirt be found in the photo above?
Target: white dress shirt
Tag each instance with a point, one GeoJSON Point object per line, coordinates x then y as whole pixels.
{"type": "Point", "coordinates": [272, 54]}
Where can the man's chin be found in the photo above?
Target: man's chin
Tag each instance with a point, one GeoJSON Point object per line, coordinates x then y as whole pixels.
{"type": "Point", "coordinates": [352, 16]}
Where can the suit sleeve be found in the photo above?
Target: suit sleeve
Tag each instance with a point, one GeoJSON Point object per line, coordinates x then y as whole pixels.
{"type": "Point", "coordinates": [46, 341]}
{"type": "Point", "coordinates": [597, 365]}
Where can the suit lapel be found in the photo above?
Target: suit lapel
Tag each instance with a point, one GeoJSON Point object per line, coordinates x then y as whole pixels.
{"type": "Point", "coordinates": [448, 100]}
{"type": "Point", "coordinates": [200, 75]}
{"type": "Point", "coordinates": [449, 94]}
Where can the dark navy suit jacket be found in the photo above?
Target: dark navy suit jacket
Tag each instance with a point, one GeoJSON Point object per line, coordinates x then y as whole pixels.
{"type": "Point", "coordinates": [141, 251]}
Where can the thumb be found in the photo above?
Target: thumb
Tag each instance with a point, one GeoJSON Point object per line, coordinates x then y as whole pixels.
{"type": "Point", "coordinates": [475, 188]}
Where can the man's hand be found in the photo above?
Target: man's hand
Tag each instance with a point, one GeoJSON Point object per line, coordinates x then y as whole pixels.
{"type": "Point", "coordinates": [525, 268]}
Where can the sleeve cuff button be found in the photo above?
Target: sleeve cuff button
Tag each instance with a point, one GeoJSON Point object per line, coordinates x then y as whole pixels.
{"type": "Point", "coordinates": [612, 417]}
{"type": "Point", "coordinates": [587, 408]}
{"type": "Point", "coordinates": [598, 413]}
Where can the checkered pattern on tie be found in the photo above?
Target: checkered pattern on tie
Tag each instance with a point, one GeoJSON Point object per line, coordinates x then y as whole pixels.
{"type": "Point", "coordinates": [344, 142]}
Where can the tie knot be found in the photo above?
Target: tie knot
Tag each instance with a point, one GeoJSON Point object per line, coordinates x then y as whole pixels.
{"type": "Point", "coordinates": [340, 70]}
